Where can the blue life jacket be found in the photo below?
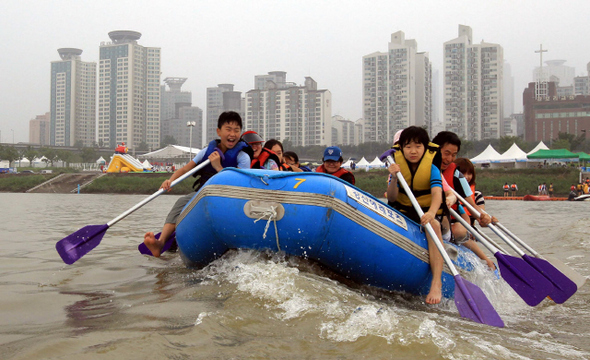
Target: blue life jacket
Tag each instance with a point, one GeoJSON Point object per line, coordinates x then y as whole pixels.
{"type": "Point", "coordinates": [230, 160]}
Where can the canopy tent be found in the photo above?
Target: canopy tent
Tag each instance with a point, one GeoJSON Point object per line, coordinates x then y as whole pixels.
{"type": "Point", "coordinates": [583, 156]}
{"type": "Point", "coordinates": [347, 164]}
{"type": "Point", "coordinates": [101, 161]}
{"type": "Point", "coordinates": [553, 154]}
{"type": "Point", "coordinates": [170, 152]}
{"type": "Point", "coordinates": [540, 145]}
{"type": "Point", "coordinates": [363, 163]}
{"type": "Point", "coordinates": [376, 163]}
{"type": "Point", "coordinates": [146, 165]}
{"type": "Point", "coordinates": [487, 156]}
{"type": "Point", "coordinates": [514, 154]}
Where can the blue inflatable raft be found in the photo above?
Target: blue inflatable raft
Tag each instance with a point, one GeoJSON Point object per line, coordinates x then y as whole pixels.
{"type": "Point", "coordinates": [312, 215]}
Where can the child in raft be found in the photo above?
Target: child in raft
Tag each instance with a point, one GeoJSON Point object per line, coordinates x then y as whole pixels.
{"type": "Point", "coordinates": [415, 159]}
{"type": "Point", "coordinates": [466, 167]}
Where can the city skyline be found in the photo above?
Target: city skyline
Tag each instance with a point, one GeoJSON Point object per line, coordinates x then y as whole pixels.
{"type": "Point", "coordinates": [215, 43]}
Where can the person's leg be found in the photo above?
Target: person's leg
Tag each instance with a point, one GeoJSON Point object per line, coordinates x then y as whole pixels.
{"type": "Point", "coordinates": [156, 245]}
{"type": "Point", "coordinates": [472, 245]}
{"type": "Point", "coordinates": [436, 266]}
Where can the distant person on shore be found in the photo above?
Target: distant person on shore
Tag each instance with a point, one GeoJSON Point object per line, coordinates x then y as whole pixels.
{"type": "Point", "coordinates": [579, 189]}
{"type": "Point", "coordinates": [550, 189]}
{"type": "Point", "coordinates": [514, 189]}
{"type": "Point", "coordinates": [506, 188]}
{"type": "Point", "coordinates": [236, 153]}
{"type": "Point", "coordinates": [540, 189]}
{"type": "Point", "coordinates": [292, 160]}
{"type": "Point", "coordinates": [544, 188]}
{"type": "Point", "coordinates": [585, 188]}
{"type": "Point", "coordinates": [332, 164]}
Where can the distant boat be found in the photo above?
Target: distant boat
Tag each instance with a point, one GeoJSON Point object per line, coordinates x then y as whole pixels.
{"type": "Point", "coordinates": [536, 198]}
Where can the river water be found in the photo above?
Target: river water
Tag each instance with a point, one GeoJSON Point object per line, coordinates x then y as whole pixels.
{"type": "Point", "coordinates": [117, 304]}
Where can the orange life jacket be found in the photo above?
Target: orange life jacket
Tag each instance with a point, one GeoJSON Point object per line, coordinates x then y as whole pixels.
{"type": "Point", "coordinates": [513, 187]}
{"type": "Point", "coordinates": [506, 187]}
{"type": "Point", "coordinates": [338, 173]}
{"type": "Point", "coordinates": [265, 154]}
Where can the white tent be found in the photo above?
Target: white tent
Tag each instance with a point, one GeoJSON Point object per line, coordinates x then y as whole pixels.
{"type": "Point", "coordinates": [347, 164]}
{"type": "Point", "coordinates": [170, 152]}
{"type": "Point", "coordinates": [540, 145]}
{"type": "Point", "coordinates": [363, 163]}
{"type": "Point", "coordinates": [376, 163]}
{"type": "Point", "coordinates": [22, 162]}
{"type": "Point", "coordinates": [514, 154]}
{"type": "Point", "coordinates": [487, 156]}
{"type": "Point", "coordinates": [101, 161]}
{"type": "Point", "coordinates": [146, 165]}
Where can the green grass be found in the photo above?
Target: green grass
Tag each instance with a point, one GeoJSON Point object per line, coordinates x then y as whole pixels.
{"type": "Point", "coordinates": [21, 183]}
{"type": "Point", "coordinates": [489, 181]}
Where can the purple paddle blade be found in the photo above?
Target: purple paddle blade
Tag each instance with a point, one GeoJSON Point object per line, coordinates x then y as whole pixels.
{"type": "Point", "coordinates": [473, 304]}
{"type": "Point", "coordinates": [384, 156]}
{"type": "Point", "coordinates": [74, 246]}
{"type": "Point", "coordinates": [528, 283]}
{"type": "Point", "coordinates": [145, 251]}
{"type": "Point", "coordinates": [563, 287]}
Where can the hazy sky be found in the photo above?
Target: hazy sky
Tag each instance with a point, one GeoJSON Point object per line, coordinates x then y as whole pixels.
{"type": "Point", "coordinates": [214, 42]}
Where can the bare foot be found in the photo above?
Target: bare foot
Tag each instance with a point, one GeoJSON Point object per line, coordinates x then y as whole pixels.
{"type": "Point", "coordinates": [149, 239]}
{"type": "Point", "coordinates": [435, 294]}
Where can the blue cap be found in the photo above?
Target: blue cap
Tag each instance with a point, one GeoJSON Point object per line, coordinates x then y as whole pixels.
{"type": "Point", "coordinates": [332, 153]}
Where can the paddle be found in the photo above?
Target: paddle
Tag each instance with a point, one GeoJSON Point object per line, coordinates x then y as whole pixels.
{"type": "Point", "coordinates": [145, 251]}
{"type": "Point", "coordinates": [470, 300]}
{"type": "Point", "coordinates": [563, 287]}
{"type": "Point", "coordinates": [573, 275]}
{"type": "Point", "coordinates": [74, 246]}
{"type": "Point", "coordinates": [531, 286]}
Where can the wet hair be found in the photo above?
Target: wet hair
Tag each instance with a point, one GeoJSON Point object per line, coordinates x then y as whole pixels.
{"type": "Point", "coordinates": [413, 133]}
{"type": "Point", "coordinates": [447, 137]}
{"type": "Point", "coordinates": [291, 155]}
{"type": "Point", "coordinates": [269, 144]}
{"type": "Point", "coordinates": [228, 117]}
{"type": "Point", "coordinates": [465, 166]}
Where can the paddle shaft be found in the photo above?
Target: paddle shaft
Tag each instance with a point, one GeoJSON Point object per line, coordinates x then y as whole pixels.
{"type": "Point", "coordinates": [157, 193]}
{"type": "Point", "coordinates": [428, 227]}
{"type": "Point", "coordinates": [491, 226]}
{"type": "Point", "coordinates": [478, 236]}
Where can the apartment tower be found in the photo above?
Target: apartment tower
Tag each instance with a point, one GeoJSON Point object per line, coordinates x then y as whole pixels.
{"type": "Point", "coordinates": [277, 109]}
{"type": "Point", "coordinates": [128, 92]}
{"type": "Point", "coordinates": [73, 100]}
{"type": "Point", "coordinates": [473, 87]}
{"type": "Point", "coordinates": [397, 89]}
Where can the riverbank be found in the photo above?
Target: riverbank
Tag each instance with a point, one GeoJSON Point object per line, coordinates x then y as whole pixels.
{"type": "Point", "coordinates": [489, 181]}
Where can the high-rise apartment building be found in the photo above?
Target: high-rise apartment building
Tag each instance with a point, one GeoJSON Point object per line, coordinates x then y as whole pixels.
{"type": "Point", "coordinates": [176, 113]}
{"type": "Point", "coordinates": [39, 129]}
{"type": "Point", "coordinates": [128, 92]}
{"type": "Point", "coordinates": [220, 99]}
{"type": "Point", "coordinates": [397, 89]}
{"type": "Point", "coordinates": [73, 100]}
{"type": "Point", "coordinates": [281, 110]}
{"type": "Point", "coordinates": [473, 87]}
{"type": "Point", "coordinates": [345, 132]}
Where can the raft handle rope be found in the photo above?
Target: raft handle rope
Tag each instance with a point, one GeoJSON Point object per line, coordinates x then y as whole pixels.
{"type": "Point", "coordinates": [271, 213]}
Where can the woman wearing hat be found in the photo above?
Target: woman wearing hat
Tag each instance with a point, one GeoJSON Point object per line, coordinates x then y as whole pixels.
{"type": "Point", "coordinates": [332, 164]}
{"type": "Point", "coordinates": [263, 158]}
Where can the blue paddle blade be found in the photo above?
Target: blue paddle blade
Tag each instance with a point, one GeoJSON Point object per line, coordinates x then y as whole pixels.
{"type": "Point", "coordinates": [145, 251]}
{"type": "Point", "coordinates": [563, 287]}
{"type": "Point", "coordinates": [74, 246]}
{"type": "Point", "coordinates": [473, 304]}
{"type": "Point", "coordinates": [528, 283]}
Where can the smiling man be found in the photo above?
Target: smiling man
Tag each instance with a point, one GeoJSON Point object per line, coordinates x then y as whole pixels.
{"type": "Point", "coordinates": [450, 144]}
{"type": "Point", "coordinates": [333, 164]}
